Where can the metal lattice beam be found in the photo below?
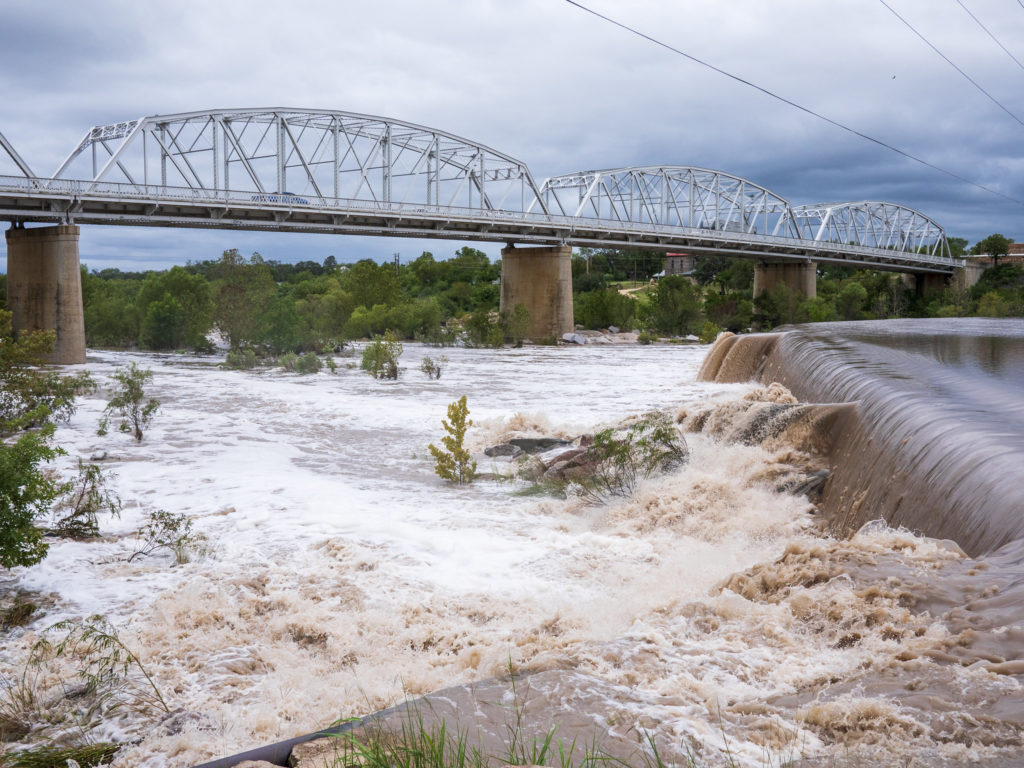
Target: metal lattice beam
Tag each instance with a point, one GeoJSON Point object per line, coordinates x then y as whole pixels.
{"type": "Point", "coordinates": [344, 173]}
{"type": "Point", "coordinates": [297, 156]}
{"type": "Point", "coordinates": [671, 196]}
{"type": "Point", "coordinates": [872, 224]}
{"type": "Point", "coordinates": [13, 154]}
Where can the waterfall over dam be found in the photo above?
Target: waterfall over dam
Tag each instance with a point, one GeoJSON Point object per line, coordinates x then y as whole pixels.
{"type": "Point", "coordinates": [936, 441]}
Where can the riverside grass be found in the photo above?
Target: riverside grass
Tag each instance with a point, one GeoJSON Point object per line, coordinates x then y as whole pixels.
{"type": "Point", "coordinates": [373, 743]}
{"type": "Point", "coordinates": [86, 756]}
{"type": "Point", "coordinates": [416, 745]}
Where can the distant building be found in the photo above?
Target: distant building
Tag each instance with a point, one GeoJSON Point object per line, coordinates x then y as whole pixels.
{"type": "Point", "coordinates": [678, 264]}
{"type": "Point", "coordinates": [1014, 256]}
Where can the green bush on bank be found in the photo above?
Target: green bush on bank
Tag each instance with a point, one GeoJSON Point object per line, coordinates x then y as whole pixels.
{"type": "Point", "coordinates": [279, 308]}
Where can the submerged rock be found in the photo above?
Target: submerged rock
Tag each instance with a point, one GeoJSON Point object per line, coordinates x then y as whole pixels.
{"type": "Point", "coordinates": [320, 752]}
{"type": "Point", "coordinates": [504, 449]}
{"type": "Point", "coordinates": [533, 445]}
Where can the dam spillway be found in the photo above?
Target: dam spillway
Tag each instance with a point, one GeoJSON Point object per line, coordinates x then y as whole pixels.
{"type": "Point", "coordinates": [937, 439]}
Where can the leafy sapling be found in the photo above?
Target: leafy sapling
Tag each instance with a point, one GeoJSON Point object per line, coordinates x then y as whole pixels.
{"type": "Point", "coordinates": [432, 368]}
{"type": "Point", "coordinates": [167, 531]}
{"type": "Point", "coordinates": [113, 675]}
{"type": "Point", "coordinates": [454, 463]}
{"type": "Point", "coordinates": [619, 459]}
{"type": "Point", "coordinates": [129, 402]}
{"type": "Point", "coordinates": [380, 357]}
{"type": "Point", "coordinates": [85, 498]}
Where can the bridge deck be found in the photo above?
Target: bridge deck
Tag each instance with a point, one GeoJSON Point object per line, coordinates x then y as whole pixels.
{"type": "Point", "coordinates": [60, 200]}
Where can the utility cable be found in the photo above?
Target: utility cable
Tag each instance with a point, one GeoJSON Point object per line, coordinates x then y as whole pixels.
{"type": "Point", "coordinates": [949, 61]}
{"type": "Point", "coordinates": [793, 104]}
{"type": "Point", "coordinates": [987, 32]}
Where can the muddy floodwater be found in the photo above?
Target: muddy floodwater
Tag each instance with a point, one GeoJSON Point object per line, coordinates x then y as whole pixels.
{"type": "Point", "coordinates": [742, 607]}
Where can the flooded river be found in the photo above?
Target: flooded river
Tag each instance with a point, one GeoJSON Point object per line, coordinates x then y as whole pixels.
{"type": "Point", "coordinates": [722, 612]}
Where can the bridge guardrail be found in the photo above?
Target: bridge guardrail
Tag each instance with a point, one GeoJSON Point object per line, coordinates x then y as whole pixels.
{"type": "Point", "coordinates": [77, 190]}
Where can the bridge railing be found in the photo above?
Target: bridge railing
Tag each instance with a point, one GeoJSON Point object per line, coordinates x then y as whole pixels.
{"type": "Point", "coordinates": [567, 228]}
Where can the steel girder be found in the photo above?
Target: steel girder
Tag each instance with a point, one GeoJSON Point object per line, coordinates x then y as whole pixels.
{"type": "Point", "coordinates": [303, 157]}
{"type": "Point", "coordinates": [671, 196]}
{"type": "Point", "coordinates": [873, 224]}
{"type": "Point", "coordinates": [13, 154]}
{"type": "Point", "coordinates": [344, 173]}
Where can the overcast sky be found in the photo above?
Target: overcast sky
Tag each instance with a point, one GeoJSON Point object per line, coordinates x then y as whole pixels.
{"type": "Point", "coordinates": [551, 85]}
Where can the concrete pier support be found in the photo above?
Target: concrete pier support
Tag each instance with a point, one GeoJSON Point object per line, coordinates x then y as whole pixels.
{"type": "Point", "coordinates": [925, 283]}
{"type": "Point", "coordinates": [44, 287]}
{"type": "Point", "coordinates": [969, 275]}
{"type": "Point", "coordinates": [800, 276]}
{"type": "Point", "coordinates": [541, 280]}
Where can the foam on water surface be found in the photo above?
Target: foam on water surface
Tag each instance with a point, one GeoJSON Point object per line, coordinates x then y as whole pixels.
{"type": "Point", "coordinates": [342, 575]}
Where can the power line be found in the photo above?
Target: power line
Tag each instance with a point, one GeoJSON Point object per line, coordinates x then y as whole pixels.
{"type": "Point", "coordinates": [949, 61]}
{"type": "Point", "coordinates": [793, 104]}
{"type": "Point", "coordinates": [978, 22]}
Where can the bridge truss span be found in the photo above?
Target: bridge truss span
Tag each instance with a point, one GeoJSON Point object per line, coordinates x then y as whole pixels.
{"type": "Point", "coordinates": [871, 224]}
{"type": "Point", "coordinates": [301, 157]}
{"type": "Point", "coordinates": [671, 196]}
{"type": "Point", "coordinates": [12, 153]}
{"type": "Point", "coordinates": [296, 170]}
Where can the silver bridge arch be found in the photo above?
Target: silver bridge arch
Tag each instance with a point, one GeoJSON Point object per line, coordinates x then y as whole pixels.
{"type": "Point", "coordinates": [340, 172]}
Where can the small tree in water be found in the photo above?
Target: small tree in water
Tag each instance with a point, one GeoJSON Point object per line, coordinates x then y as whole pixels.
{"type": "Point", "coordinates": [86, 497]}
{"type": "Point", "coordinates": [129, 402]}
{"type": "Point", "coordinates": [380, 357]}
{"type": "Point", "coordinates": [453, 463]}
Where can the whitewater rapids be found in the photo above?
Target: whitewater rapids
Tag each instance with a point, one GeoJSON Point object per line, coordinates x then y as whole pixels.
{"type": "Point", "coordinates": [341, 575]}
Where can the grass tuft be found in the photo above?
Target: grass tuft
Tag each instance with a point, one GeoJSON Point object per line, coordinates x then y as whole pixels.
{"type": "Point", "coordinates": [18, 615]}
{"type": "Point", "coordinates": [86, 756]}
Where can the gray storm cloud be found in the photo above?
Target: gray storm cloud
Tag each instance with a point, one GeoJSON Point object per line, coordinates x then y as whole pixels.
{"type": "Point", "coordinates": [553, 86]}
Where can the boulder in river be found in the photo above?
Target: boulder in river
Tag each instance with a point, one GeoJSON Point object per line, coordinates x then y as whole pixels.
{"type": "Point", "coordinates": [503, 449]}
{"type": "Point", "coordinates": [533, 445]}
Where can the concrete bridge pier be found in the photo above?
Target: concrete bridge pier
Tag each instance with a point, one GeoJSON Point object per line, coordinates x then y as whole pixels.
{"type": "Point", "coordinates": [799, 276]}
{"type": "Point", "coordinates": [541, 280]}
{"type": "Point", "coordinates": [44, 287]}
{"type": "Point", "coordinates": [969, 275]}
{"type": "Point", "coordinates": [924, 283]}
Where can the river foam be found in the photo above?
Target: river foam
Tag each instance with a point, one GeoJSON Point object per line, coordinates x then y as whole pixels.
{"type": "Point", "coordinates": [341, 576]}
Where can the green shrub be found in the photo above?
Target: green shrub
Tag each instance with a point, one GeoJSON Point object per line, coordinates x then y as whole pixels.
{"type": "Point", "coordinates": [109, 670]}
{"type": "Point", "coordinates": [306, 363]}
{"type": "Point", "coordinates": [54, 756]}
{"type": "Point", "coordinates": [495, 338]}
{"type": "Point", "coordinates": [618, 459]}
{"type": "Point", "coordinates": [380, 357]}
{"type": "Point", "coordinates": [439, 336]}
{"type": "Point", "coordinates": [453, 463]}
{"type": "Point", "coordinates": [646, 337]}
{"type": "Point", "coordinates": [172, 532]}
{"type": "Point", "coordinates": [432, 368]}
{"type": "Point", "coordinates": [709, 332]}
{"type": "Point", "coordinates": [127, 402]}
{"type": "Point", "coordinates": [674, 306]}
{"type": "Point", "coordinates": [478, 327]}
{"type": "Point", "coordinates": [84, 499]}
{"type": "Point", "coordinates": [604, 307]}
{"type": "Point", "coordinates": [243, 359]}
{"type": "Point", "coordinates": [18, 614]}
{"type": "Point", "coordinates": [516, 324]}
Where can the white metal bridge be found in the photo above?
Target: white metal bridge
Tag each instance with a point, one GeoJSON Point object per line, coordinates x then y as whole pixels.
{"type": "Point", "coordinates": [338, 172]}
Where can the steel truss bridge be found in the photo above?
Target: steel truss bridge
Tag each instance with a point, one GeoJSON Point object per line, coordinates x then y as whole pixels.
{"type": "Point", "coordinates": [338, 172]}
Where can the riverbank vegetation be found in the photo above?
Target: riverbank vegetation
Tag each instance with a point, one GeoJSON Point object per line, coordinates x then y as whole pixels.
{"type": "Point", "coordinates": [266, 309]}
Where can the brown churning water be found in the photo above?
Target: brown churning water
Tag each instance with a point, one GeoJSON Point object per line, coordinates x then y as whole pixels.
{"type": "Point", "coordinates": [937, 441]}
